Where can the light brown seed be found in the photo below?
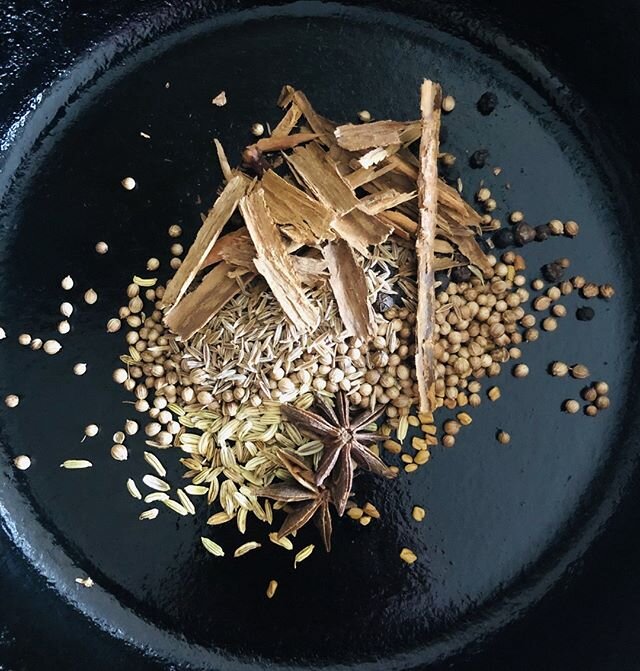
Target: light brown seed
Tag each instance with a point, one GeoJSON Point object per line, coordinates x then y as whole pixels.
{"type": "Point", "coordinates": [408, 556]}
{"type": "Point", "coordinates": [52, 347]}
{"type": "Point", "coordinates": [503, 437]}
{"type": "Point", "coordinates": [271, 588]}
{"type": "Point", "coordinates": [22, 462]}
{"type": "Point", "coordinates": [119, 452]}
{"type": "Point", "coordinates": [11, 400]}
{"type": "Point", "coordinates": [571, 406]}
{"type": "Point", "coordinates": [67, 283]}
{"type": "Point", "coordinates": [90, 297]}
{"type": "Point", "coordinates": [418, 513]}
{"type": "Point", "coordinates": [128, 183]}
{"type": "Point", "coordinates": [579, 371]}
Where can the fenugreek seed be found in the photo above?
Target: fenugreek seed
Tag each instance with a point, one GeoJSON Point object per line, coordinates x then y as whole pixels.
{"type": "Point", "coordinates": [493, 393]}
{"type": "Point", "coordinates": [90, 297]}
{"type": "Point", "coordinates": [150, 514]}
{"type": "Point", "coordinates": [119, 452]}
{"type": "Point", "coordinates": [392, 446]}
{"type": "Point", "coordinates": [559, 369]}
{"type": "Point", "coordinates": [591, 411]}
{"type": "Point", "coordinates": [67, 283]}
{"type": "Point", "coordinates": [418, 443]}
{"type": "Point", "coordinates": [24, 339]}
{"type": "Point", "coordinates": [128, 183]}
{"type": "Point", "coordinates": [408, 556]}
{"type": "Point", "coordinates": [74, 464]}
{"type": "Point", "coordinates": [212, 547]}
{"type": "Point", "coordinates": [22, 462]}
{"type": "Point", "coordinates": [11, 401]}
{"type": "Point", "coordinates": [579, 371]}
{"type": "Point", "coordinates": [155, 463]}
{"type": "Point", "coordinates": [503, 437]}
{"type": "Point", "coordinates": [156, 483]}
{"type": "Point", "coordinates": [549, 324]}
{"type": "Point", "coordinates": [91, 430]}
{"type": "Point", "coordinates": [571, 406]}
{"type": "Point", "coordinates": [418, 513]}
{"type": "Point", "coordinates": [303, 554]}
{"type": "Point", "coordinates": [464, 418]}
{"type": "Point", "coordinates": [246, 547]}
{"type": "Point", "coordinates": [175, 231]}
{"type": "Point", "coordinates": [371, 510]}
{"type": "Point", "coordinates": [448, 104]}
{"type": "Point", "coordinates": [422, 457]}
{"type": "Point", "coordinates": [52, 347]}
{"type": "Point", "coordinates": [132, 488]}
{"type": "Point", "coordinates": [411, 468]}
{"type": "Point", "coordinates": [521, 370]}
{"type": "Point", "coordinates": [271, 588]}
{"type": "Point", "coordinates": [153, 264]}
{"type": "Point", "coordinates": [365, 520]}
{"type": "Point", "coordinates": [355, 513]}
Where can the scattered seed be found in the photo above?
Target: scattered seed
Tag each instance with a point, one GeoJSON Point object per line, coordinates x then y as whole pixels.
{"type": "Point", "coordinates": [119, 452]}
{"type": "Point", "coordinates": [559, 369]}
{"type": "Point", "coordinates": [271, 588]}
{"type": "Point", "coordinates": [448, 104]}
{"type": "Point", "coordinates": [131, 427]}
{"type": "Point", "coordinates": [175, 231]}
{"type": "Point", "coordinates": [155, 463]}
{"type": "Point", "coordinates": [22, 462]}
{"type": "Point", "coordinates": [11, 401]}
{"type": "Point", "coordinates": [503, 437]}
{"type": "Point", "coordinates": [283, 541]}
{"type": "Point", "coordinates": [67, 283]}
{"type": "Point", "coordinates": [521, 370]}
{"type": "Point", "coordinates": [571, 406]}
{"type": "Point", "coordinates": [579, 371]}
{"type": "Point", "coordinates": [73, 464]}
{"type": "Point", "coordinates": [220, 100]}
{"type": "Point", "coordinates": [585, 314]}
{"type": "Point", "coordinates": [364, 116]}
{"type": "Point", "coordinates": [176, 507]}
{"type": "Point", "coordinates": [493, 393]}
{"type": "Point", "coordinates": [418, 513]}
{"type": "Point", "coordinates": [120, 375]}
{"type": "Point", "coordinates": [257, 129]}
{"type": "Point", "coordinates": [196, 490]}
{"type": "Point", "coordinates": [52, 347]}
{"type": "Point", "coordinates": [128, 183]}
{"type": "Point", "coordinates": [80, 369]}
{"type": "Point", "coordinates": [144, 282]}
{"type": "Point", "coordinates": [36, 344]}
{"type": "Point", "coordinates": [549, 324]}
{"type": "Point", "coordinates": [91, 430]}
{"type": "Point", "coordinates": [132, 488]}
{"type": "Point", "coordinates": [212, 547]}
{"type": "Point", "coordinates": [303, 554]}
{"type": "Point", "coordinates": [85, 582]}
{"type": "Point", "coordinates": [113, 325]}
{"type": "Point", "coordinates": [602, 388]}
{"type": "Point", "coordinates": [150, 514]}
{"type": "Point", "coordinates": [102, 247]}
{"type": "Point", "coordinates": [591, 411]}
{"type": "Point", "coordinates": [24, 339]}
{"type": "Point", "coordinates": [90, 297]}
{"type": "Point", "coordinates": [156, 483]}
{"type": "Point", "coordinates": [153, 264]}
{"type": "Point", "coordinates": [408, 556]}
{"type": "Point", "coordinates": [246, 547]}
{"type": "Point", "coordinates": [571, 229]}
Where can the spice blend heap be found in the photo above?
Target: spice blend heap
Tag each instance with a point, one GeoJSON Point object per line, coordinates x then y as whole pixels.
{"type": "Point", "coordinates": [338, 292]}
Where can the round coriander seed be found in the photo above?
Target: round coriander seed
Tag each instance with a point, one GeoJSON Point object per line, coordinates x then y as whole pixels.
{"type": "Point", "coordinates": [177, 249]}
{"type": "Point", "coordinates": [119, 437]}
{"type": "Point", "coordinates": [102, 247]}
{"type": "Point", "coordinates": [602, 402]}
{"type": "Point", "coordinates": [67, 283]}
{"type": "Point", "coordinates": [602, 388]}
{"type": "Point", "coordinates": [175, 231]}
{"type": "Point", "coordinates": [119, 452]}
{"type": "Point", "coordinates": [90, 297]}
{"type": "Point", "coordinates": [559, 369]}
{"type": "Point", "coordinates": [448, 104]}
{"type": "Point", "coordinates": [503, 437]}
{"type": "Point", "coordinates": [516, 217]}
{"type": "Point", "coordinates": [64, 327]}
{"type": "Point", "coordinates": [521, 370]}
{"type": "Point", "coordinates": [364, 116]}
{"type": "Point", "coordinates": [153, 264]}
{"type": "Point", "coordinates": [128, 183]}
{"type": "Point", "coordinates": [80, 369]}
{"type": "Point", "coordinates": [36, 344]}
{"type": "Point", "coordinates": [91, 430]}
{"type": "Point", "coordinates": [24, 339]}
{"type": "Point", "coordinates": [52, 347]}
{"type": "Point", "coordinates": [571, 229]}
{"type": "Point", "coordinates": [579, 371]}
{"type": "Point", "coordinates": [483, 194]}
{"type": "Point", "coordinates": [257, 129]}
{"type": "Point", "coordinates": [22, 462]}
{"type": "Point", "coordinates": [131, 427]}
{"type": "Point", "coordinates": [175, 263]}
{"type": "Point", "coordinates": [549, 324]}
{"type": "Point", "coordinates": [11, 401]}
{"type": "Point", "coordinates": [556, 227]}
{"type": "Point", "coordinates": [571, 406]}
{"type": "Point", "coordinates": [113, 325]}
{"type": "Point", "coordinates": [591, 411]}
{"type": "Point", "coordinates": [120, 375]}
{"type": "Point", "coordinates": [66, 309]}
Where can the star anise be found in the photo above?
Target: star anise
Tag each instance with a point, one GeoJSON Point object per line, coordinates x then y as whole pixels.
{"type": "Point", "coordinates": [308, 500]}
{"type": "Point", "coordinates": [344, 443]}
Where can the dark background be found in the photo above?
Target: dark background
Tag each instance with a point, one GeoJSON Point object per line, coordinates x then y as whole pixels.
{"type": "Point", "coordinates": [590, 622]}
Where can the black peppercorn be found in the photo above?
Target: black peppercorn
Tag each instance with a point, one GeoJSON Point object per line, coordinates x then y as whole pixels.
{"type": "Point", "coordinates": [552, 272]}
{"type": "Point", "coordinates": [585, 314]}
{"type": "Point", "coordinates": [523, 234]}
{"type": "Point", "coordinates": [542, 232]}
{"type": "Point", "coordinates": [383, 302]}
{"type": "Point", "coordinates": [487, 103]}
{"type": "Point", "coordinates": [479, 158]}
{"type": "Point", "coordinates": [503, 238]}
{"type": "Point", "coordinates": [461, 274]}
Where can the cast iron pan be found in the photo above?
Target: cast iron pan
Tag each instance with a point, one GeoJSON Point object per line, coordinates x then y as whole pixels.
{"type": "Point", "coordinates": [528, 554]}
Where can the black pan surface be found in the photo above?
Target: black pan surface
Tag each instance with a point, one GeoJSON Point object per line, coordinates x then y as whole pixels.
{"type": "Point", "coordinates": [509, 527]}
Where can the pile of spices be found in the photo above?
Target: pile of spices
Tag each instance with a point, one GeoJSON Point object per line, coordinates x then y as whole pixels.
{"type": "Point", "coordinates": [327, 330]}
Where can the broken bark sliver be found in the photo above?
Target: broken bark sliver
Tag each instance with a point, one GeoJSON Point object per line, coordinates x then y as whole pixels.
{"type": "Point", "coordinates": [274, 263]}
{"type": "Point", "coordinates": [430, 101]}
{"type": "Point", "coordinates": [375, 134]}
{"type": "Point", "coordinates": [211, 228]}
{"type": "Point", "coordinates": [349, 286]}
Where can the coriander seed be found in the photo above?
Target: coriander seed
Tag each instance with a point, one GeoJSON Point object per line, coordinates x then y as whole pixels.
{"type": "Point", "coordinates": [24, 339]}
{"type": "Point", "coordinates": [451, 427]}
{"type": "Point", "coordinates": [119, 437]}
{"type": "Point", "coordinates": [571, 406]}
{"type": "Point", "coordinates": [257, 129]}
{"type": "Point", "coordinates": [589, 394]}
{"type": "Point", "coordinates": [119, 375]}
{"type": "Point", "coordinates": [483, 194]}
{"type": "Point", "coordinates": [90, 296]}
{"type": "Point", "coordinates": [80, 369]}
{"type": "Point", "coordinates": [177, 249]}
{"type": "Point", "coordinates": [607, 291]}
{"type": "Point", "coordinates": [537, 284]}
{"type": "Point", "coordinates": [591, 411]}
{"type": "Point", "coordinates": [448, 104]}
{"type": "Point", "coordinates": [503, 437]}
{"type": "Point", "coordinates": [521, 370]}
{"type": "Point", "coordinates": [175, 263]}
{"type": "Point", "coordinates": [64, 327]}
{"type": "Point", "coordinates": [559, 311]}
{"type": "Point", "coordinates": [113, 325]}
{"type": "Point", "coordinates": [448, 440]}
{"type": "Point", "coordinates": [578, 281]}
{"type": "Point", "coordinates": [128, 183]}
{"type": "Point", "coordinates": [602, 402]}
{"type": "Point", "coordinates": [602, 388]}
{"type": "Point", "coordinates": [579, 371]}
{"type": "Point", "coordinates": [91, 430]}
{"type": "Point", "coordinates": [131, 427]}
{"type": "Point", "coordinates": [418, 513]}
{"type": "Point", "coordinates": [175, 231]}
{"type": "Point", "coordinates": [549, 324]}
{"type": "Point", "coordinates": [571, 229]}
{"type": "Point", "coordinates": [102, 247]}
{"type": "Point", "coordinates": [119, 452]}
{"type": "Point", "coordinates": [364, 116]}
{"type": "Point", "coordinates": [516, 217]}
{"type": "Point", "coordinates": [36, 344]}
{"type": "Point", "coordinates": [153, 264]}
{"type": "Point", "coordinates": [11, 401]}
{"type": "Point", "coordinates": [52, 347]}
{"type": "Point", "coordinates": [66, 309]}
{"type": "Point", "coordinates": [590, 290]}
{"type": "Point", "coordinates": [559, 369]}
{"type": "Point", "coordinates": [67, 283]}
{"type": "Point", "coordinates": [22, 462]}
